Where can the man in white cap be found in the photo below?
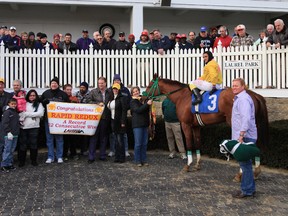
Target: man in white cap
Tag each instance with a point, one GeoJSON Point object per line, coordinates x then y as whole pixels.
{"type": "Point", "coordinates": [12, 41]}
{"type": "Point", "coordinates": [4, 98]}
{"type": "Point", "coordinates": [242, 38]}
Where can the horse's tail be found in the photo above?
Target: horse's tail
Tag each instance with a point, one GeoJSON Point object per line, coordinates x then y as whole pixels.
{"type": "Point", "coordinates": [261, 121]}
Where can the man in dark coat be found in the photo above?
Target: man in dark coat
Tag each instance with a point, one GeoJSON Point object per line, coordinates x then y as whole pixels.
{"type": "Point", "coordinates": [53, 94]}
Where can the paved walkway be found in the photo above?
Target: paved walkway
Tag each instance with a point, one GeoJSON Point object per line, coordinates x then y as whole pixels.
{"type": "Point", "coordinates": [106, 188]}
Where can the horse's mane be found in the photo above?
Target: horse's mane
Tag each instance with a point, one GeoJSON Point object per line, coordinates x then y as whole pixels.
{"type": "Point", "coordinates": [174, 82]}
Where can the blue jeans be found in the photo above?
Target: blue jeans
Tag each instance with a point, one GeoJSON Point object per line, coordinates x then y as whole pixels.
{"type": "Point", "coordinates": [112, 141]}
{"type": "Point", "coordinates": [50, 143]}
{"type": "Point", "coordinates": [9, 148]}
{"type": "Point", "coordinates": [140, 146]}
{"type": "Point", "coordinates": [247, 182]}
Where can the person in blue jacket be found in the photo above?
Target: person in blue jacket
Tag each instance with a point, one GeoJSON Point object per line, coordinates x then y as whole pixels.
{"type": "Point", "coordinates": [160, 44]}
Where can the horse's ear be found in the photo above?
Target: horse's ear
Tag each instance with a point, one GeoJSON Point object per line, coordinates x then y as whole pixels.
{"type": "Point", "coordinates": [155, 76]}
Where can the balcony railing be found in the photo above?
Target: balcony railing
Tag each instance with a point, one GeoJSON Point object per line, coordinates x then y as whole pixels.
{"type": "Point", "coordinates": [259, 66]}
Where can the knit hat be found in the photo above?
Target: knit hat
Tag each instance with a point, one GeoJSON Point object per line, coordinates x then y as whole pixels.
{"type": "Point", "coordinates": [55, 79]}
{"type": "Point", "coordinates": [43, 35]}
{"type": "Point", "coordinates": [131, 36]}
{"type": "Point", "coordinates": [85, 84]}
{"type": "Point", "coordinates": [117, 77]}
{"type": "Point", "coordinates": [31, 33]}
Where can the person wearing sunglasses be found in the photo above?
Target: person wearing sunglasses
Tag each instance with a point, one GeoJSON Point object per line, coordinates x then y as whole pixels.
{"type": "Point", "coordinates": [242, 38]}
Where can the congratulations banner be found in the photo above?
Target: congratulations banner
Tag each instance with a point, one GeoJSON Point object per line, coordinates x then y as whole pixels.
{"type": "Point", "coordinates": [73, 118]}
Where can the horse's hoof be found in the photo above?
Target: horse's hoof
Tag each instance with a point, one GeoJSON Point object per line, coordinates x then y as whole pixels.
{"type": "Point", "coordinates": [197, 167]}
{"type": "Point", "coordinates": [186, 168]}
{"type": "Point", "coordinates": [237, 177]}
{"type": "Point", "coordinates": [257, 172]}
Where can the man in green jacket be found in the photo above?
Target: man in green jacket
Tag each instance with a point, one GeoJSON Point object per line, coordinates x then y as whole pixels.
{"type": "Point", "coordinates": [173, 129]}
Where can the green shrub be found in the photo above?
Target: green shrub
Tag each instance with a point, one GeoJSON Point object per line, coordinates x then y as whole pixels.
{"type": "Point", "coordinates": [275, 155]}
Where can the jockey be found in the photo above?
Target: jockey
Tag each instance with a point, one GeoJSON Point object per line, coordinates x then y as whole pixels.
{"type": "Point", "coordinates": [211, 79]}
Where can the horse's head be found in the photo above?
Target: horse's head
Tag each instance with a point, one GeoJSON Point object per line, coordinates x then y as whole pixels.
{"type": "Point", "coordinates": [153, 89]}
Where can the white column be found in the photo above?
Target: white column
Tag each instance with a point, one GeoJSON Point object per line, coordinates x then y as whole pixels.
{"type": "Point", "coordinates": [137, 21]}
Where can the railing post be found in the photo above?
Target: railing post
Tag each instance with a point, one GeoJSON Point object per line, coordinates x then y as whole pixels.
{"type": "Point", "coordinates": [134, 66]}
{"type": "Point", "coordinates": [91, 64]}
{"type": "Point", "coordinates": [2, 56]}
{"type": "Point", "coordinates": [219, 58]}
{"type": "Point", "coordinates": [264, 67]}
{"type": "Point", "coordinates": [47, 64]}
{"type": "Point", "coordinates": [177, 59]}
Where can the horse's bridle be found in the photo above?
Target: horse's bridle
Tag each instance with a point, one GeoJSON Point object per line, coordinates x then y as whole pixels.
{"type": "Point", "coordinates": [154, 88]}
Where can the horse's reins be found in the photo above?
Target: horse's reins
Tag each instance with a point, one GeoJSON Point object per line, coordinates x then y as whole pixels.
{"type": "Point", "coordinates": [154, 88]}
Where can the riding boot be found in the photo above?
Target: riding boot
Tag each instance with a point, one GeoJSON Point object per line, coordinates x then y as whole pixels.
{"type": "Point", "coordinates": [198, 96]}
{"type": "Point", "coordinates": [21, 158]}
{"type": "Point", "coordinates": [212, 91]}
{"type": "Point", "coordinates": [33, 156]}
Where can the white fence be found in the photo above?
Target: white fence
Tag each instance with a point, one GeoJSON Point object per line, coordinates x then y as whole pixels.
{"type": "Point", "coordinates": [257, 65]}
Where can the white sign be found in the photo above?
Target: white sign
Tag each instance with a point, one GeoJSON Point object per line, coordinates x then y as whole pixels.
{"type": "Point", "coordinates": [73, 118]}
{"type": "Point", "coordinates": [242, 64]}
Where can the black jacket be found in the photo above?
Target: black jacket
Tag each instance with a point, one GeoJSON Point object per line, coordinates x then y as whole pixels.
{"type": "Point", "coordinates": [140, 113]}
{"type": "Point", "coordinates": [163, 43]}
{"type": "Point", "coordinates": [120, 114]}
{"type": "Point", "coordinates": [72, 47]}
{"type": "Point", "coordinates": [207, 41]}
{"type": "Point", "coordinates": [53, 95]}
{"type": "Point", "coordinates": [10, 122]}
{"type": "Point", "coordinates": [122, 45]}
{"type": "Point", "coordinates": [4, 98]}
{"type": "Point", "coordinates": [279, 37]}
{"type": "Point", "coordinates": [103, 46]}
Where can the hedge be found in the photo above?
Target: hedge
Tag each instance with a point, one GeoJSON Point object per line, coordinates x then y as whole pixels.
{"type": "Point", "coordinates": [276, 154]}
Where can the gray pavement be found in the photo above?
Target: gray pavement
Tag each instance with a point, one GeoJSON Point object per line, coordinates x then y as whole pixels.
{"type": "Point", "coordinates": [106, 188]}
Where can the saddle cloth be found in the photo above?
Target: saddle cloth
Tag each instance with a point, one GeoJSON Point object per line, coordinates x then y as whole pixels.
{"type": "Point", "coordinates": [209, 103]}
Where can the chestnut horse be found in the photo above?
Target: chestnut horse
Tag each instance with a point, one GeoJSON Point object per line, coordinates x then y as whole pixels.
{"type": "Point", "coordinates": [180, 94]}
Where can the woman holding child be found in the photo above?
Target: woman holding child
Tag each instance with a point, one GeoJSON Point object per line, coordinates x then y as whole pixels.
{"type": "Point", "coordinates": [29, 128]}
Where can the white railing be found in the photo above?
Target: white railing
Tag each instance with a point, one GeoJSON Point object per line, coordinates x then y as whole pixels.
{"type": "Point", "coordinates": [257, 65]}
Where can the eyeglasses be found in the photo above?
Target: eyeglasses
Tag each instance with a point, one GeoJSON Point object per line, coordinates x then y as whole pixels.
{"type": "Point", "coordinates": [121, 35]}
{"type": "Point", "coordinates": [240, 29]}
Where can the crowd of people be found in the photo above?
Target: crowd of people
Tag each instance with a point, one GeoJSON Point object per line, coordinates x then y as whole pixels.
{"type": "Point", "coordinates": [21, 112]}
{"type": "Point", "coordinates": [274, 35]}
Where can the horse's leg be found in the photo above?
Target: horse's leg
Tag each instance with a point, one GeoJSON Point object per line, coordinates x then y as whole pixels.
{"type": "Point", "coordinates": [197, 142]}
{"type": "Point", "coordinates": [188, 137]}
